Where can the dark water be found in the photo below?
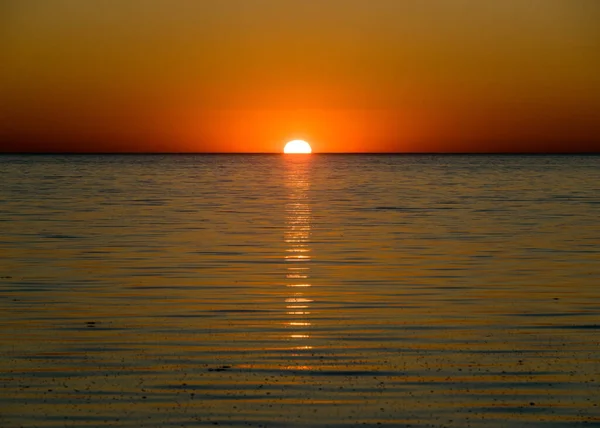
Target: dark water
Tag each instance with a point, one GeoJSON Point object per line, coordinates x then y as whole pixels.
{"type": "Point", "coordinates": [279, 291]}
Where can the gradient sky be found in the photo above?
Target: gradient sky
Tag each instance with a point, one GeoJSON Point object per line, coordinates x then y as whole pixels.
{"type": "Point", "coordinates": [346, 75]}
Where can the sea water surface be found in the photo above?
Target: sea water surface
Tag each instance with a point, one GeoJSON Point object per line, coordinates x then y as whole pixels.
{"type": "Point", "coordinates": [279, 291]}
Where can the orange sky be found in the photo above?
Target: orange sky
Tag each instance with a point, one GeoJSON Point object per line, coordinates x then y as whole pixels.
{"type": "Point", "coordinates": [346, 75]}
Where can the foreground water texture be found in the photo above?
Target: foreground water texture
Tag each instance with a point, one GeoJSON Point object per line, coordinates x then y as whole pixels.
{"type": "Point", "coordinates": [158, 291]}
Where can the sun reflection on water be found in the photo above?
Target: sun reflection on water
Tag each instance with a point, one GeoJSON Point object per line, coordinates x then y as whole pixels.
{"type": "Point", "coordinates": [297, 256]}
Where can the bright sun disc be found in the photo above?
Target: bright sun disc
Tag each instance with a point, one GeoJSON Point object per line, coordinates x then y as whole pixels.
{"type": "Point", "coordinates": [297, 146]}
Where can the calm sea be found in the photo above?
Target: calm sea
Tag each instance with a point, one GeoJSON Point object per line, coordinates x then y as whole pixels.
{"type": "Point", "coordinates": [323, 290]}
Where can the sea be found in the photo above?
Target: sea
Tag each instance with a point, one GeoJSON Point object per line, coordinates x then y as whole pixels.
{"type": "Point", "coordinates": [299, 290]}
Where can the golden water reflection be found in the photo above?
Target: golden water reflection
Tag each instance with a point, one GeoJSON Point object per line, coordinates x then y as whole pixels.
{"type": "Point", "coordinates": [297, 235]}
{"type": "Point", "coordinates": [154, 291]}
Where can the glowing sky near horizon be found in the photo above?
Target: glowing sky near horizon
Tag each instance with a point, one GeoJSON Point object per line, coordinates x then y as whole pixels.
{"type": "Point", "coordinates": [346, 75]}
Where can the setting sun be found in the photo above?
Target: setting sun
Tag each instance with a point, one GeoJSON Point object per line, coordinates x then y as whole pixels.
{"type": "Point", "coordinates": [297, 147]}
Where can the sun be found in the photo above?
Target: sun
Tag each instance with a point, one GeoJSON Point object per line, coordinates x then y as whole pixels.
{"type": "Point", "coordinates": [297, 147]}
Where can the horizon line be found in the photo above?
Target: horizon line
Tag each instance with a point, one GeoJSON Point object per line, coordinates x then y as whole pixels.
{"type": "Point", "coordinates": [313, 153]}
